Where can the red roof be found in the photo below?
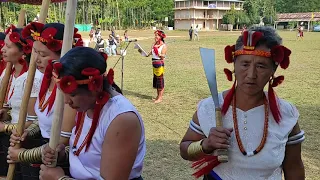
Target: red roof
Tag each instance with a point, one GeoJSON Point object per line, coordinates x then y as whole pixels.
{"type": "Point", "coordinates": [286, 17]}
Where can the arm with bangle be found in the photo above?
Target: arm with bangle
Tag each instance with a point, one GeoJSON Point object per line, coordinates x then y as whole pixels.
{"type": "Point", "coordinates": [191, 146]}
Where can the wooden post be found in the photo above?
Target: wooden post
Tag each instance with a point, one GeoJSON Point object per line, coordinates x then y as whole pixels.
{"type": "Point", "coordinates": [59, 101]}
{"type": "Point", "coordinates": [27, 89]}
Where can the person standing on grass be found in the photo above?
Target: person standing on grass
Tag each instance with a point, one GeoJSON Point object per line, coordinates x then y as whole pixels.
{"type": "Point", "coordinates": [125, 34]}
{"type": "Point", "coordinates": [260, 131]}
{"type": "Point", "coordinates": [196, 33]}
{"type": "Point", "coordinates": [158, 52]}
{"type": "Point", "coordinates": [300, 32]}
{"type": "Point", "coordinates": [91, 34]}
{"type": "Point", "coordinates": [190, 33]}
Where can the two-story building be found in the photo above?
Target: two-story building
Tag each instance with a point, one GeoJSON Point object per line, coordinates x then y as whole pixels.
{"type": "Point", "coordinates": [207, 14]}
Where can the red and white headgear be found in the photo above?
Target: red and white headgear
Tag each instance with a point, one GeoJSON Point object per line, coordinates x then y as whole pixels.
{"type": "Point", "coordinates": [160, 33]}
{"type": "Point", "coordinates": [278, 53]}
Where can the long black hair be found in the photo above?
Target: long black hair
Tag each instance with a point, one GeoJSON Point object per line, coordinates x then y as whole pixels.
{"type": "Point", "coordinates": [79, 58]}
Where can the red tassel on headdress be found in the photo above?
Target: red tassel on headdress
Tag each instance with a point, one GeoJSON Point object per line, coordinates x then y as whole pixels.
{"type": "Point", "coordinates": [245, 38]}
{"type": "Point", "coordinates": [286, 59]}
{"type": "Point", "coordinates": [210, 161]}
{"type": "Point", "coordinates": [228, 73]}
{"type": "Point", "coordinates": [256, 36]}
{"type": "Point", "coordinates": [228, 53]}
{"type": "Point", "coordinates": [277, 81]}
{"type": "Point", "coordinates": [51, 99]}
{"type": "Point", "coordinates": [228, 99]}
{"type": "Point", "coordinates": [273, 103]}
{"type": "Point", "coordinates": [104, 97]}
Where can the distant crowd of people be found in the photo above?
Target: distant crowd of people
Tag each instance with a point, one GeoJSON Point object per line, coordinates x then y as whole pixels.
{"type": "Point", "coordinates": [112, 46]}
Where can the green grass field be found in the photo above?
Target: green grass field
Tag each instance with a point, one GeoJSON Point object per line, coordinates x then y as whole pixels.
{"type": "Point", "coordinates": [185, 82]}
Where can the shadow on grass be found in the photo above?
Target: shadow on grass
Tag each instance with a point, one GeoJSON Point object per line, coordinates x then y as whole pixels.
{"type": "Point", "coordinates": [163, 161]}
{"type": "Point", "coordinates": [131, 93]}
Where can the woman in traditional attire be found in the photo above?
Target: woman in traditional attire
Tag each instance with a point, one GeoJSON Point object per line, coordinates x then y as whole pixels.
{"type": "Point", "coordinates": [108, 141]}
{"type": "Point", "coordinates": [260, 131]}
{"type": "Point", "coordinates": [17, 51]}
{"type": "Point", "coordinates": [48, 40]}
{"type": "Point", "coordinates": [158, 52]}
{"type": "Point", "coordinates": [2, 62]}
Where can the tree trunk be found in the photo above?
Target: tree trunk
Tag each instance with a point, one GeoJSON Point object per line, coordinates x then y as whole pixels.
{"type": "Point", "coordinates": [55, 13]}
{"type": "Point", "coordinates": [119, 20]}
{"type": "Point", "coordinates": [2, 18]}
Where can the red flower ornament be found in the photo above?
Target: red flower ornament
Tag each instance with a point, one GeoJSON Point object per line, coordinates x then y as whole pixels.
{"type": "Point", "coordinates": [277, 53]}
{"type": "Point", "coordinates": [57, 66]}
{"type": "Point", "coordinates": [49, 33]}
{"type": "Point", "coordinates": [286, 60]}
{"type": "Point", "coordinates": [27, 49]}
{"type": "Point", "coordinates": [68, 84]}
{"type": "Point", "coordinates": [14, 37]}
{"type": "Point", "coordinates": [110, 76]}
{"type": "Point", "coordinates": [26, 32]}
{"type": "Point", "coordinates": [90, 72]}
{"type": "Point", "coordinates": [38, 27]}
{"type": "Point", "coordinates": [229, 53]}
{"type": "Point", "coordinates": [102, 98]}
{"type": "Point", "coordinates": [54, 45]}
{"type": "Point", "coordinates": [104, 55]}
{"type": "Point", "coordinates": [95, 83]}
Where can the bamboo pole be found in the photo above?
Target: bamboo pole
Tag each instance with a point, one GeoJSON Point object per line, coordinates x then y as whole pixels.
{"type": "Point", "coordinates": [59, 101]}
{"type": "Point", "coordinates": [28, 88]}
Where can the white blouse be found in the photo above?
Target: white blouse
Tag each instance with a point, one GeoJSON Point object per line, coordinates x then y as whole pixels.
{"type": "Point", "coordinates": [17, 87]}
{"type": "Point", "coordinates": [266, 165]}
{"type": "Point", "coordinates": [87, 164]}
{"type": "Point", "coordinates": [154, 55]}
{"type": "Point", "coordinates": [44, 118]}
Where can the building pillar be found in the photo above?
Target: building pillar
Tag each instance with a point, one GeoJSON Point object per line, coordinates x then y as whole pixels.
{"type": "Point", "coordinates": [308, 26]}
{"type": "Point", "coordinates": [217, 27]}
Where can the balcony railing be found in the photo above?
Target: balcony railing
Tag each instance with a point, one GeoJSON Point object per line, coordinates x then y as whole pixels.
{"type": "Point", "coordinates": [208, 6]}
{"type": "Point", "coordinates": [197, 17]}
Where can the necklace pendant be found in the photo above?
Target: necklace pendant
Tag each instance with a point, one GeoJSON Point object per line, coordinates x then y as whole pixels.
{"type": "Point", "coordinates": [249, 154]}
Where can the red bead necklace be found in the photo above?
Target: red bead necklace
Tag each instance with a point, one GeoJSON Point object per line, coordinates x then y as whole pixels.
{"type": "Point", "coordinates": [265, 130]}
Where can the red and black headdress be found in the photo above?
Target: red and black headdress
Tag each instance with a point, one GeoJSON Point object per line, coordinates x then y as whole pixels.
{"type": "Point", "coordinates": [160, 33]}
{"type": "Point", "coordinates": [278, 53]}
{"type": "Point", "coordinates": [38, 32]}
